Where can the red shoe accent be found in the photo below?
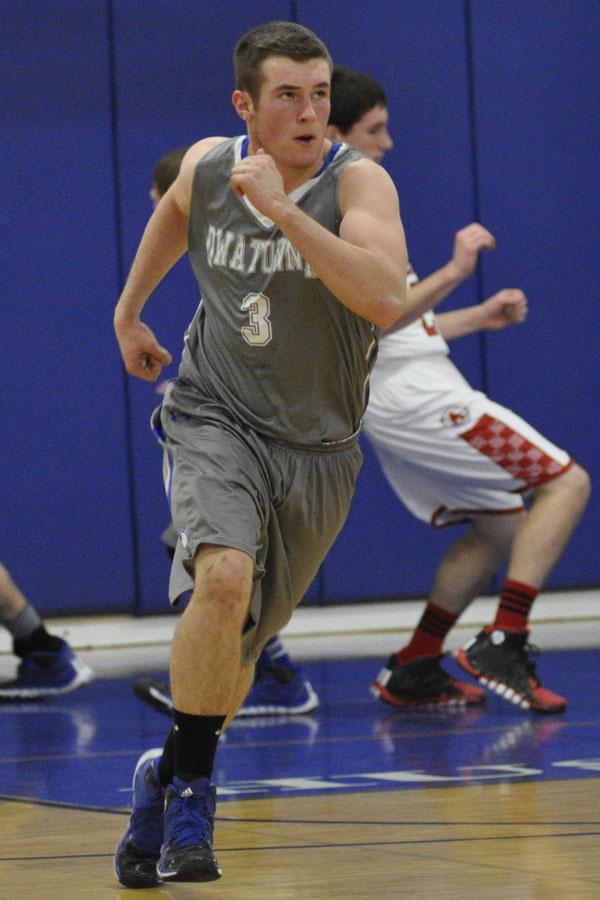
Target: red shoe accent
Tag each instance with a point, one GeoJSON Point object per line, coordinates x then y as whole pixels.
{"type": "Point", "coordinates": [545, 700]}
{"type": "Point", "coordinates": [463, 662]}
{"type": "Point", "coordinates": [469, 694]}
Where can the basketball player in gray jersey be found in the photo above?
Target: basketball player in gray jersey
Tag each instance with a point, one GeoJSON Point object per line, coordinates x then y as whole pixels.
{"type": "Point", "coordinates": [299, 269]}
{"type": "Point", "coordinates": [284, 355]}
{"type": "Point", "coordinates": [280, 685]}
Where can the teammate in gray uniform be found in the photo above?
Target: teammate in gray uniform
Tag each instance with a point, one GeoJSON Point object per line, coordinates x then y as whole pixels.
{"type": "Point", "coordinates": [48, 665]}
{"type": "Point", "coordinates": [453, 455]}
{"type": "Point", "coordinates": [299, 269]}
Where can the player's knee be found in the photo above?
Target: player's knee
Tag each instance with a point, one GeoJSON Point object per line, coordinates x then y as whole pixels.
{"type": "Point", "coordinates": [224, 578]}
{"type": "Point", "coordinates": [582, 484]}
{"type": "Point", "coordinates": [575, 485]}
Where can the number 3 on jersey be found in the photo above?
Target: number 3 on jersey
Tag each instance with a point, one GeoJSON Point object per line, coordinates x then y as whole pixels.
{"type": "Point", "coordinates": [259, 331]}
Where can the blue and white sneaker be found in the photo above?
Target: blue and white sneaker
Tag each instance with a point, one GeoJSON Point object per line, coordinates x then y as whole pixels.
{"type": "Point", "coordinates": [46, 674]}
{"type": "Point", "coordinates": [279, 688]}
{"type": "Point", "coordinates": [138, 850]}
{"type": "Point", "coordinates": [186, 853]}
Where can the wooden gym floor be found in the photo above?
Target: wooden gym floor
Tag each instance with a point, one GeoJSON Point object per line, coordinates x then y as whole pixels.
{"type": "Point", "coordinates": [354, 800]}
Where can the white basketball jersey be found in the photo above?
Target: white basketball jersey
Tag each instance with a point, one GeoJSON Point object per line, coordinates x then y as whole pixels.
{"type": "Point", "coordinates": [420, 338]}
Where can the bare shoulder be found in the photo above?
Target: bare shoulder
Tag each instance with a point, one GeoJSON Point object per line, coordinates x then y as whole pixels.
{"type": "Point", "coordinates": [365, 171]}
{"type": "Point", "coordinates": [362, 180]}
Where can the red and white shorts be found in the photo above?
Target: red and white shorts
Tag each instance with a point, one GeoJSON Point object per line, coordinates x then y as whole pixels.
{"type": "Point", "coordinates": [447, 450]}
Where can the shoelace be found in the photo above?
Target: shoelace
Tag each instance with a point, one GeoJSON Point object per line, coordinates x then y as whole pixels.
{"type": "Point", "coordinates": [190, 815]}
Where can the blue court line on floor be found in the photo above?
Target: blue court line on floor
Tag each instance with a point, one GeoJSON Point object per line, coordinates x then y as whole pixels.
{"type": "Point", "coordinates": [81, 752]}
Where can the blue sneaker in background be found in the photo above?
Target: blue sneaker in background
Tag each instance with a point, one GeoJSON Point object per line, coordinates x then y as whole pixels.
{"type": "Point", "coordinates": [46, 674]}
{"type": "Point", "coordinates": [279, 687]}
{"type": "Point", "coordinates": [138, 850]}
{"type": "Point", "coordinates": [186, 853]}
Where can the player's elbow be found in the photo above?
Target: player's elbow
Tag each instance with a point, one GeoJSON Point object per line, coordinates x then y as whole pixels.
{"type": "Point", "coordinates": [391, 309]}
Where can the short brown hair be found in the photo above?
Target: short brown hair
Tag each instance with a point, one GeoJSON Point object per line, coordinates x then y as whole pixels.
{"type": "Point", "coordinates": [167, 168]}
{"type": "Point", "coordinates": [273, 39]}
{"type": "Point", "coordinates": [352, 95]}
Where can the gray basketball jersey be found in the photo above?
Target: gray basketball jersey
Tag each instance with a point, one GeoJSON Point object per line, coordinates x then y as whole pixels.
{"type": "Point", "coordinates": [270, 345]}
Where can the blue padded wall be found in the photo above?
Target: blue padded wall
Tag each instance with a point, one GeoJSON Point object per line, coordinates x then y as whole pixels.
{"type": "Point", "coordinates": [383, 551]}
{"type": "Point", "coordinates": [494, 113]}
{"type": "Point", "coordinates": [65, 523]}
{"type": "Point", "coordinates": [174, 81]}
{"type": "Point", "coordinates": [491, 116]}
{"type": "Point", "coordinates": [537, 106]}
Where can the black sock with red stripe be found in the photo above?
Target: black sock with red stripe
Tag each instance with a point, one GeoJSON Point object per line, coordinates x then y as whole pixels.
{"type": "Point", "coordinates": [428, 637]}
{"type": "Point", "coordinates": [516, 601]}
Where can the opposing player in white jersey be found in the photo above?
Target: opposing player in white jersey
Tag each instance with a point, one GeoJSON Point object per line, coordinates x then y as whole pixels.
{"type": "Point", "coordinates": [453, 455]}
{"type": "Point", "coordinates": [299, 270]}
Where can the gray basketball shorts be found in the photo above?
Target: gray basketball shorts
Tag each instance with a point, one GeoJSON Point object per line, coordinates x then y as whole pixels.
{"type": "Point", "coordinates": [229, 486]}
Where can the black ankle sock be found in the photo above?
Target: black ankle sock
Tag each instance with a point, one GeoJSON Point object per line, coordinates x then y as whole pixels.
{"type": "Point", "coordinates": [166, 766]}
{"type": "Point", "coordinates": [39, 641]}
{"type": "Point", "coordinates": [195, 740]}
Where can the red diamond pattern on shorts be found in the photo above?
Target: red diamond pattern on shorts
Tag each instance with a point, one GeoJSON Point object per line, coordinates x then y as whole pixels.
{"type": "Point", "coordinates": [511, 451]}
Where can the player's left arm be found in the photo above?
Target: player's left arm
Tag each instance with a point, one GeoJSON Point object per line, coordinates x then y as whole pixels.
{"type": "Point", "coordinates": [374, 279]}
{"type": "Point", "coordinates": [506, 307]}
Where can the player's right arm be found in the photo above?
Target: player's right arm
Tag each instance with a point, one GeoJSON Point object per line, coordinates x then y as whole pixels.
{"type": "Point", "coordinates": [163, 243]}
{"type": "Point", "coordinates": [427, 293]}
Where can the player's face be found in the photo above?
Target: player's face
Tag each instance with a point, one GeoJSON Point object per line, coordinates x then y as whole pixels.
{"type": "Point", "coordinates": [289, 118]}
{"type": "Point", "coordinates": [370, 134]}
